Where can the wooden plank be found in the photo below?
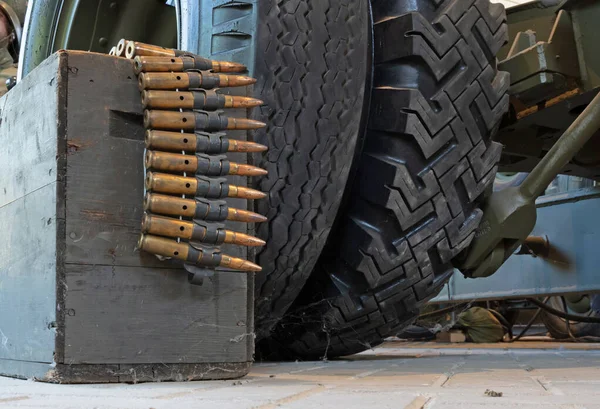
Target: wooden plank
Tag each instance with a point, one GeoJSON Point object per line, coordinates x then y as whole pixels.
{"type": "Point", "coordinates": [74, 374]}
{"type": "Point", "coordinates": [28, 148]}
{"type": "Point", "coordinates": [105, 165]}
{"type": "Point", "coordinates": [75, 295]}
{"type": "Point", "coordinates": [105, 172]}
{"type": "Point", "coordinates": [134, 315]}
{"type": "Point", "coordinates": [112, 316]}
{"type": "Point", "coordinates": [28, 217]}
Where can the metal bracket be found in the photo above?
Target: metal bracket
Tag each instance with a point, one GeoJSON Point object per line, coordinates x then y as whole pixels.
{"type": "Point", "coordinates": [510, 214]}
{"type": "Point", "coordinates": [540, 70]}
{"type": "Point", "coordinates": [196, 275]}
{"type": "Point", "coordinates": [536, 246]}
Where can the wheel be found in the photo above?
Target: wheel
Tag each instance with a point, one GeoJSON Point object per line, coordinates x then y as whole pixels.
{"type": "Point", "coordinates": [312, 72]}
{"type": "Point", "coordinates": [65, 24]}
{"type": "Point", "coordinates": [428, 163]}
{"type": "Point", "coordinates": [311, 60]}
{"type": "Point", "coordinates": [576, 305]}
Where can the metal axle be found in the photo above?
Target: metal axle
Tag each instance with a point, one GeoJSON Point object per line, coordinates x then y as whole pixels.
{"type": "Point", "coordinates": [510, 214]}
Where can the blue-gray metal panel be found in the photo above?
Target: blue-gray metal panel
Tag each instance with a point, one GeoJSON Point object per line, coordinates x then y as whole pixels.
{"type": "Point", "coordinates": [571, 222]}
{"type": "Point", "coordinates": [28, 276]}
{"type": "Point", "coordinates": [26, 370]}
{"type": "Point", "coordinates": [219, 29]}
{"type": "Point", "coordinates": [28, 150]}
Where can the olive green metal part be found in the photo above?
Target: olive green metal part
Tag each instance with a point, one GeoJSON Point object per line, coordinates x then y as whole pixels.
{"type": "Point", "coordinates": [548, 93]}
{"type": "Point", "coordinates": [542, 69]}
{"type": "Point", "coordinates": [510, 214]}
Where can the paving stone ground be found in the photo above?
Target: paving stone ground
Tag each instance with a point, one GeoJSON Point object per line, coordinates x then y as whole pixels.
{"type": "Point", "coordinates": [397, 375]}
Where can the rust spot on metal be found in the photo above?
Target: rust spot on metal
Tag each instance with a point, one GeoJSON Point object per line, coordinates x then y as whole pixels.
{"type": "Point", "coordinates": [73, 147]}
{"type": "Point", "coordinates": [563, 97]}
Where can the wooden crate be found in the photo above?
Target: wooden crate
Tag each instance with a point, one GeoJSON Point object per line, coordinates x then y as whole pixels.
{"type": "Point", "coordinates": [78, 302]}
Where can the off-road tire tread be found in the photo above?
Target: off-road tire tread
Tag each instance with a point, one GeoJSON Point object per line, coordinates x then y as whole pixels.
{"type": "Point", "coordinates": [427, 163]}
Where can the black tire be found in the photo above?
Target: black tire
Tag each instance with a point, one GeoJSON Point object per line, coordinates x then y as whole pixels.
{"type": "Point", "coordinates": [557, 327]}
{"type": "Point", "coordinates": [311, 64]}
{"type": "Point", "coordinates": [427, 164]}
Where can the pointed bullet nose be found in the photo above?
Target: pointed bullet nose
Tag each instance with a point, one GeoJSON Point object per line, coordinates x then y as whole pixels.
{"type": "Point", "coordinates": [247, 193]}
{"type": "Point", "coordinates": [245, 216]}
{"type": "Point", "coordinates": [236, 80]}
{"type": "Point", "coordinates": [244, 124]}
{"type": "Point", "coordinates": [226, 66]}
{"type": "Point", "coordinates": [243, 146]}
{"type": "Point", "coordinates": [246, 102]}
{"type": "Point", "coordinates": [257, 218]}
{"type": "Point", "coordinates": [251, 241]}
{"type": "Point", "coordinates": [249, 266]}
{"type": "Point", "coordinates": [248, 170]}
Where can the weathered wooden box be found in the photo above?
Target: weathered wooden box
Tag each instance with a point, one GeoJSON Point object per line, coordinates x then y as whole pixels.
{"type": "Point", "coordinates": [78, 302]}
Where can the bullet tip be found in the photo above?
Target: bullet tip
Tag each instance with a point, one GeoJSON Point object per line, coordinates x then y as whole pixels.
{"type": "Point", "coordinates": [249, 266]}
{"type": "Point", "coordinates": [260, 219]}
{"type": "Point", "coordinates": [244, 124]}
{"type": "Point", "coordinates": [227, 66]}
{"type": "Point", "coordinates": [257, 147]}
{"type": "Point", "coordinates": [255, 242]}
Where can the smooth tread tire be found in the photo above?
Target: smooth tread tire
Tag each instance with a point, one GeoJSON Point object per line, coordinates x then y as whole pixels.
{"type": "Point", "coordinates": [428, 163]}
{"type": "Point", "coordinates": [312, 65]}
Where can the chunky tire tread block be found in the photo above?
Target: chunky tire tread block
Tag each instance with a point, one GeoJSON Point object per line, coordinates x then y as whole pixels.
{"type": "Point", "coordinates": [427, 163]}
{"type": "Point", "coordinates": [312, 68]}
